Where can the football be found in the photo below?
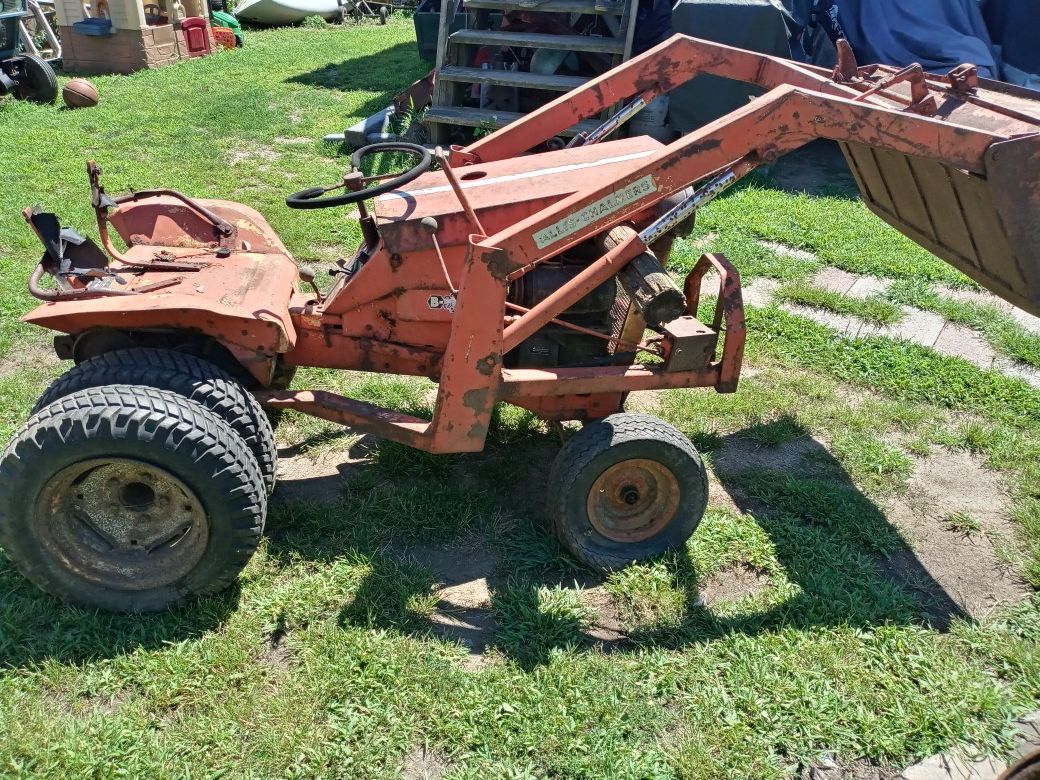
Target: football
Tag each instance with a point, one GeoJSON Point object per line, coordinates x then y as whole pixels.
{"type": "Point", "coordinates": [79, 93]}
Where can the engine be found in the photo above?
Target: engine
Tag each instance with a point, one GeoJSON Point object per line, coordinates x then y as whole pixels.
{"type": "Point", "coordinates": [641, 296]}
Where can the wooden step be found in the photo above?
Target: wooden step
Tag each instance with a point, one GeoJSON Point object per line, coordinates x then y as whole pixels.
{"type": "Point", "coordinates": [538, 41]}
{"type": "Point", "coordinates": [483, 117]}
{"type": "Point", "coordinates": [552, 6]}
{"type": "Point", "coordinates": [510, 78]}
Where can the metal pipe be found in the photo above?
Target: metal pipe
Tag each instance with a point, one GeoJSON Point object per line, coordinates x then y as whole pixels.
{"type": "Point", "coordinates": [580, 329]}
{"type": "Point", "coordinates": [453, 180]}
{"type": "Point", "coordinates": [218, 222]}
{"type": "Point", "coordinates": [63, 295]}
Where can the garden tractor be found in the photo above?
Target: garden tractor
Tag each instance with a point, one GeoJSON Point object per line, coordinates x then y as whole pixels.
{"type": "Point", "coordinates": [515, 269]}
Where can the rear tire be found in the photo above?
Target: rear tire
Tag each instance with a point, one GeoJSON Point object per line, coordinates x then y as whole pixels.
{"type": "Point", "coordinates": [39, 85]}
{"type": "Point", "coordinates": [186, 375]}
{"type": "Point", "coordinates": [625, 489]}
{"type": "Point", "coordinates": [129, 499]}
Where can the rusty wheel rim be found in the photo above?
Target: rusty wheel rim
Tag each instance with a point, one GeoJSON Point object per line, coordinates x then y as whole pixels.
{"type": "Point", "coordinates": [122, 523]}
{"type": "Point", "coordinates": [633, 500]}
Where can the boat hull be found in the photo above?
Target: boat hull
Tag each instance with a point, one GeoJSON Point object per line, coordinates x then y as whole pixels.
{"type": "Point", "coordinates": [277, 12]}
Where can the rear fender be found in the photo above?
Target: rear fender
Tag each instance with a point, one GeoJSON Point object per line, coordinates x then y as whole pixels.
{"type": "Point", "coordinates": [168, 222]}
{"type": "Point", "coordinates": [110, 323]}
{"type": "Point", "coordinates": [240, 302]}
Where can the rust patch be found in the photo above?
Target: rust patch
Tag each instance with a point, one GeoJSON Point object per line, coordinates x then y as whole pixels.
{"type": "Point", "coordinates": [498, 264]}
{"type": "Point", "coordinates": [486, 365]}
{"type": "Point", "coordinates": [477, 400]}
{"type": "Point", "coordinates": [388, 317]}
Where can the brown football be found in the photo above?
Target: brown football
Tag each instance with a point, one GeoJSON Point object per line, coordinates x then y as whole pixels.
{"type": "Point", "coordinates": [79, 93]}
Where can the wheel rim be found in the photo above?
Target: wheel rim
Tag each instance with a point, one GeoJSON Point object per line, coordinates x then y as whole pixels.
{"type": "Point", "coordinates": [633, 500]}
{"type": "Point", "coordinates": [122, 523]}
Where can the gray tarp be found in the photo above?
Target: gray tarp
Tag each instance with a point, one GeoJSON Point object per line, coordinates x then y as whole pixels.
{"type": "Point", "coordinates": [759, 25]}
{"type": "Point", "coordinates": [939, 34]}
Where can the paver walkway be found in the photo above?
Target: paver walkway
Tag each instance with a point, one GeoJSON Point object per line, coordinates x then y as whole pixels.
{"type": "Point", "coordinates": [921, 327]}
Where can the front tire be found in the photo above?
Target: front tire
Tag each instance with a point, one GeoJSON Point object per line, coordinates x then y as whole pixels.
{"type": "Point", "coordinates": [129, 499]}
{"type": "Point", "coordinates": [625, 489]}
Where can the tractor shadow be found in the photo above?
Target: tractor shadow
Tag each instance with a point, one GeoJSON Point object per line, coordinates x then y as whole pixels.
{"type": "Point", "coordinates": [817, 169]}
{"type": "Point", "coordinates": [384, 73]}
{"type": "Point", "coordinates": [456, 548]}
{"type": "Point", "coordinates": [459, 550]}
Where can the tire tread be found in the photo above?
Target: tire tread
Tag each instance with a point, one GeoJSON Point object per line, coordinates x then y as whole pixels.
{"type": "Point", "coordinates": [587, 444]}
{"type": "Point", "coordinates": [148, 414]}
{"type": "Point", "coordinates": [194, 378]}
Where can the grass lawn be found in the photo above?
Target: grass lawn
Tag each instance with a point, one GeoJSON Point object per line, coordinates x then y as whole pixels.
{"type": "Point", "coordinates": [409, 614]}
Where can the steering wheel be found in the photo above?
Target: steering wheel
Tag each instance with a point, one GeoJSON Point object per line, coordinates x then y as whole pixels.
{"type": "Point", "coordinates": [311, 198]}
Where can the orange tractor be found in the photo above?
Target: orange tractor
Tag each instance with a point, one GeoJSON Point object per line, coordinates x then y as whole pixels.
{"type": "Point", "coordinates": [503, 271]}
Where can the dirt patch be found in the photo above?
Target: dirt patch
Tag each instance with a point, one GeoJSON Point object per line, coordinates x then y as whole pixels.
{"type": "Point", "coordinates": [276, 653]}
{"type": "Point", "coordinates": [952, 512]}
{"type": "Point", "coordinates": [465, 561]}
{"type": "Point", "coordinates": [251, 153]}
{"type": "Point", "coordinates": [732, 584]}
{"type": "Point", "coordinates": [607, 629]}
{"type": "Point", "coordinates": [738, 454]}
{"type": "Point", "coordinates": [719, 497]}
{"type": "Point", "coordinates": [702, 243]}
{"type": "Point", "coordinates": [296, 141]}
{"type": "Point", "coordinates": [422, 763]}
{"type": "Point", "coordinates": [39, 355]}
{"type": "Point", "coordinates": [463, 612]}
{"type": "Point", "coordinates": [317, 478]}
{"type": "Point", "coordinates": [861, 769]}
{"type": "Point", "coordinates": [789, 251]}
{"type": "Point", "coordinates": [645, 401]}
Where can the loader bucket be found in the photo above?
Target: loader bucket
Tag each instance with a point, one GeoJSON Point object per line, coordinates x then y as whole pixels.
{"type": "Point", "coordinates": [986, 227]}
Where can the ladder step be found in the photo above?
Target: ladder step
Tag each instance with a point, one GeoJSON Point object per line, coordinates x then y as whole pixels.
{"type": "Point", "coordinates": [538, 41]}
{"type": "Point", "coordinates": [483, 117]}
{"type": "Point", "coordinates": [553, 6]}
{"type": "Point", "coordinates": [510, 78]}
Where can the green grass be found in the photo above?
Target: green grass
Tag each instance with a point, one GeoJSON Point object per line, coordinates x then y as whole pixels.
{"type": "Point", "coordinates": [1001, 330]}
{"type": "Point", "coordinates": [840, 231]}
{"type": "Point", "coordinates": [244, 124]}
{"type": "Point", "coordinates": [874, 310]}
{"type": "Point", "coordinates": [324, 661]}
{"type": "Point", "coordinates": [964, 522]}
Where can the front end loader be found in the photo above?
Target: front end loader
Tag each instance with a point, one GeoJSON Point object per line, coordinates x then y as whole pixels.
{"type": "Point", "coordinates": [504, 271]}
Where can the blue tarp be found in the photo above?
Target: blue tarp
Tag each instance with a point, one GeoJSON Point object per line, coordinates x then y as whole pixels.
{"type": "Point", "coordinates": [939, 34]}
{"type": "Point", "coordinates": [1014, 27]}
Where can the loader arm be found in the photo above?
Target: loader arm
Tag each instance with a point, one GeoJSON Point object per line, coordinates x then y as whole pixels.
{"type": "Point", "coordinates": [682, 58]}
{"type": "Point", "coordinates": [952, 163]}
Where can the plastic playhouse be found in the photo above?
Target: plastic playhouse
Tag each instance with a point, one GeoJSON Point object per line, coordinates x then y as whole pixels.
{"type": "Point", "coordinates": [123, 36]}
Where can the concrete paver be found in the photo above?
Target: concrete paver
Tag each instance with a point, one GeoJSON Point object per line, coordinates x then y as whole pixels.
{"type": "Point", "coordinates": [835, 280]}
{"type": "Point", "coordinates": [962, 342]}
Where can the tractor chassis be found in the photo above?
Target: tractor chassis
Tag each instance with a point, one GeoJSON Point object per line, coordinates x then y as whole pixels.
{"type": "Point", "coordinates": [468, 276]}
